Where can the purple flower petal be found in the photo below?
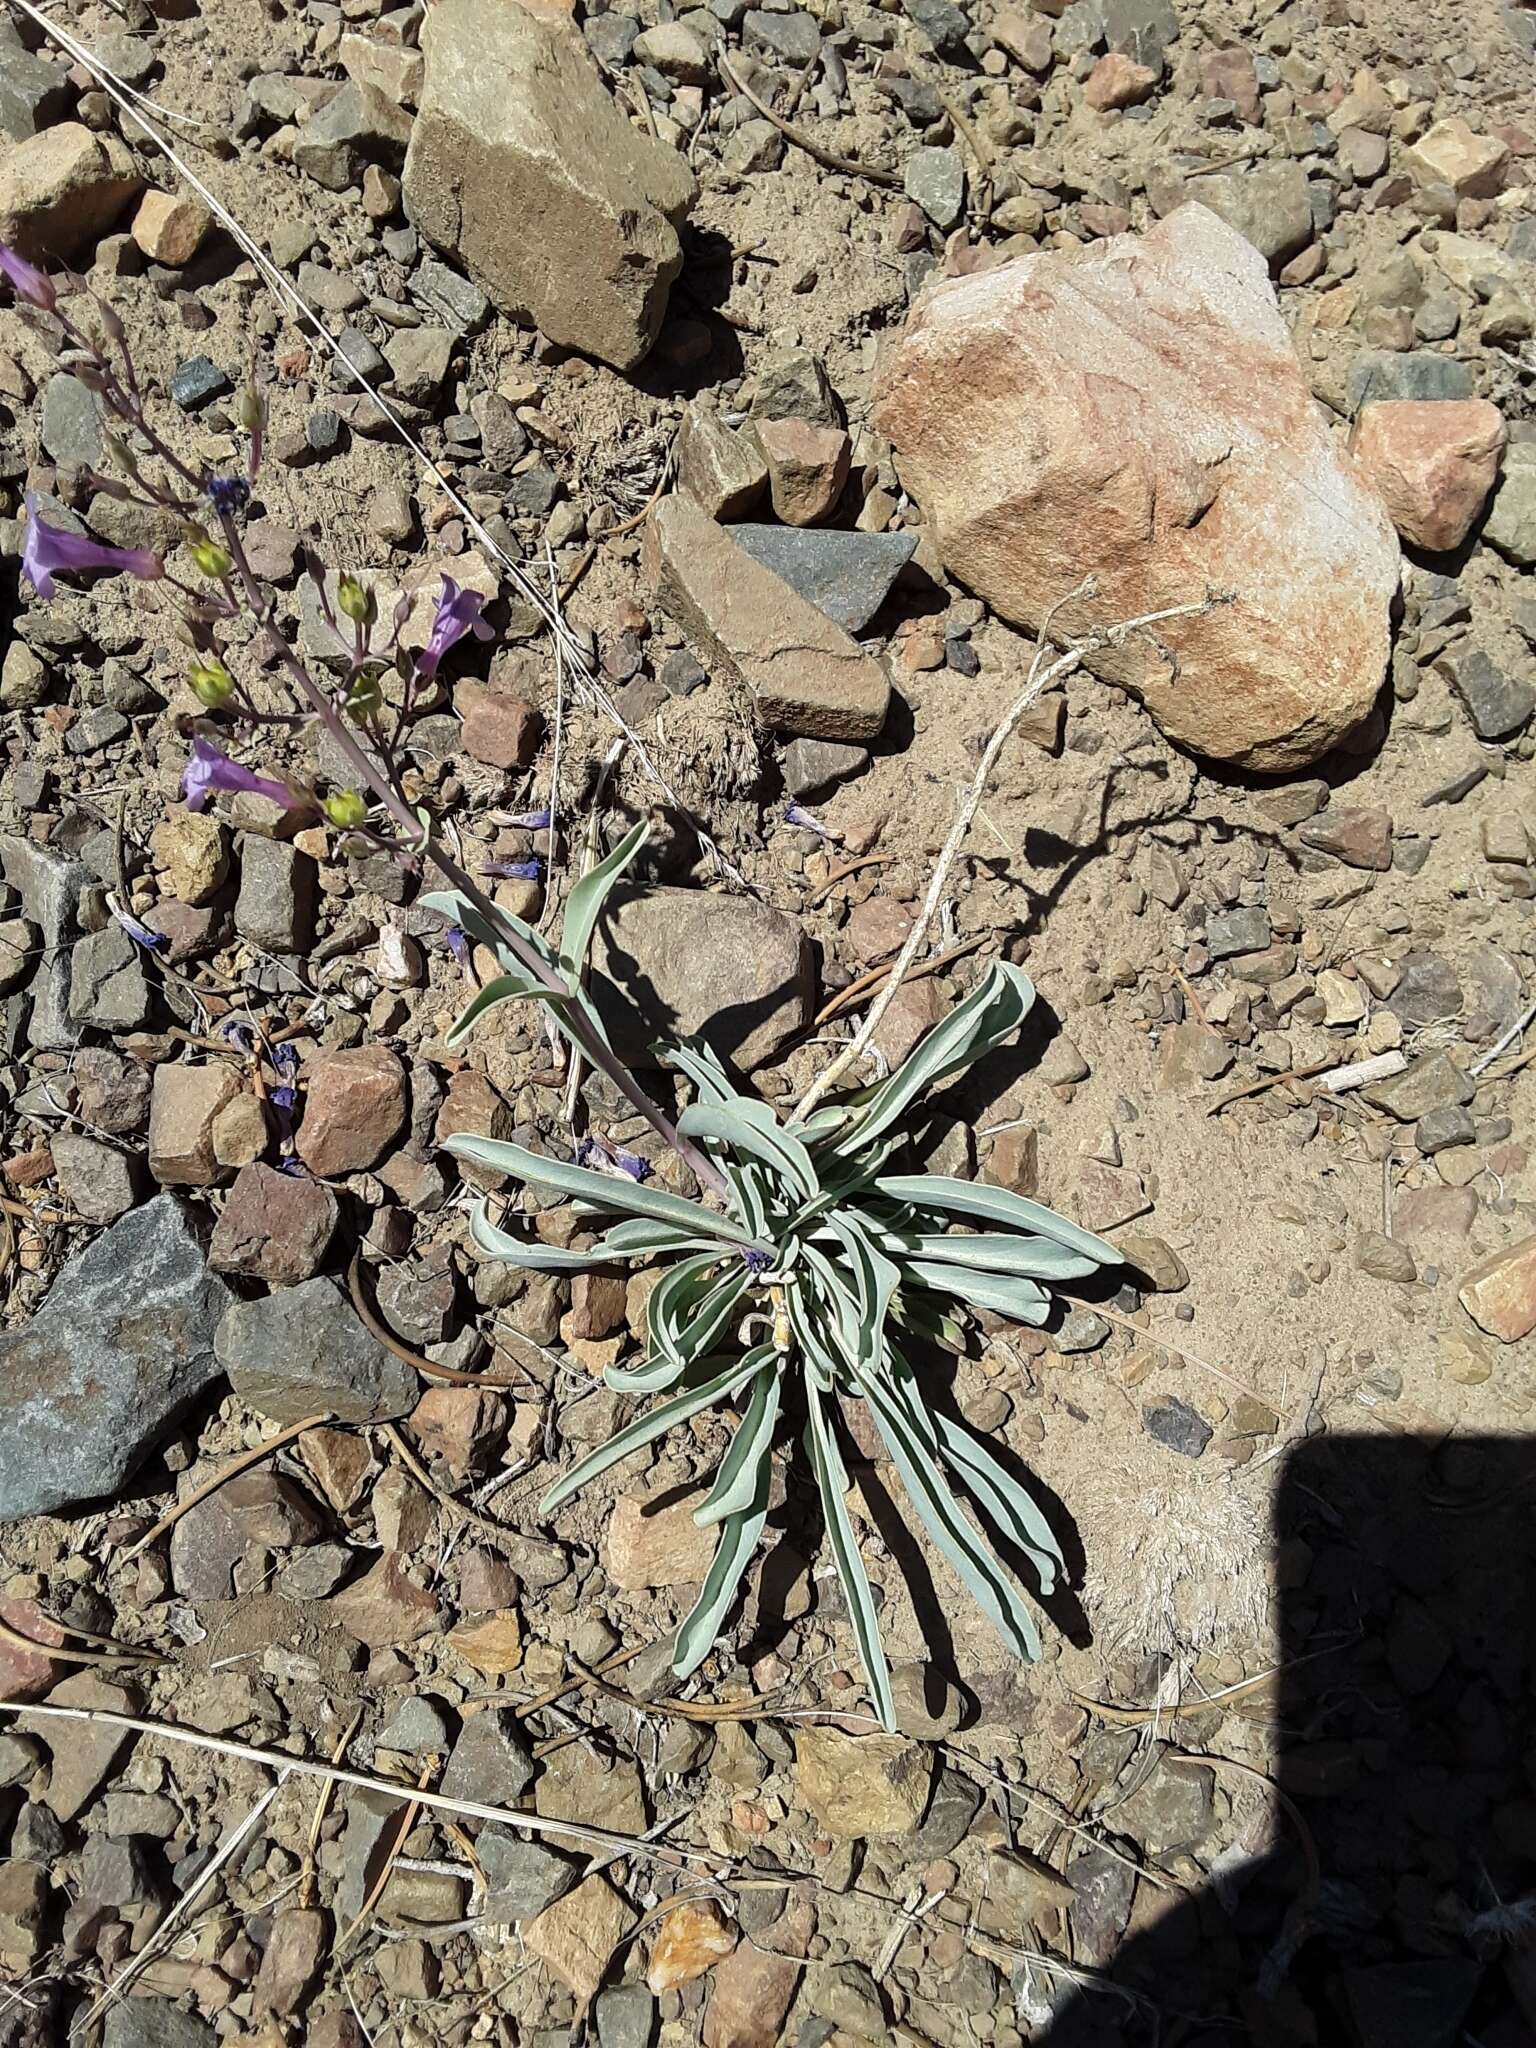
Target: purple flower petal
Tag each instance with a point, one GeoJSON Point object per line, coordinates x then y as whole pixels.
{"type": "Point", "coordinates": [26, 280]}
{"type": "Point", "coordinates": [797, 814]}
{"type": "Point", "coordinates": [208, 771]}
{"type": "Point", "coordinates": [458, 613]}
{"type": "Point", "coordinates": [47, 549]}
{"type": "Point", "coordinates": [140, 934]}
{"type": "Point", "coordinates": [512, 870]}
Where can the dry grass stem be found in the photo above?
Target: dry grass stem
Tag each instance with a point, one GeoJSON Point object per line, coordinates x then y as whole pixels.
{"type": "Point", "coordinates": [311, 1767]}
{"type": "Point", "coordinates": [1041, 675]}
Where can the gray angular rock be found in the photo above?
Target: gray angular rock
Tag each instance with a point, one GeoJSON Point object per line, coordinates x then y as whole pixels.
{"type": "Point", "coordinates": [1378, 373]}
{"type": "Point", "coordinates": [108, 987]}
{"type": "Point", "coordinates": [847, 576]}
{"type": "Point", "coordinates": [523, 1876]}
{"type": "Point", "coordinates": [792, 384]}
{"type": "Point", "coordinates": [72, 422]}
{"type": "Point", "coordinates": [1176, 1426]}
{"type": "Point", "coordinates": [119, 1352]}
{"type": "Point", "coordinates": [942, 23]}
{"type": "Point", "coordinates": [626, 2013]}
{"type": "Point", "coordinates": [1497, 703]}
{"type": "Point", "coordinates": [1511, 522]}
{"type": "Point", "coordinates": [276, 904]}
{"type": "Point", "coordinates": [304, 1351]}
{"type": "Point", "coordinates": [728, 968]}
{"type": "Point", "coordinates": [517, 126]}
{"type": "Point", "coordinates": [34, 94]}
{"type": "Point", "coordinates": [357, 127]}
{"type": "Point", "coordinates": [814, 766]}
{"type": "Point", "coordinates": [490, 1761]}
{"type": "Point", "coordinates": [49, 887]}
{"type": "Point", "coordinates": [934, 179]}
{"type": "Point", "coordinates": [155, 2023]}
{"type": "Point", "coordinates": [1270, 204]}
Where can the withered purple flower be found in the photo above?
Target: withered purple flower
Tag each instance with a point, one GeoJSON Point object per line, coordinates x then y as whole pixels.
{"type": "Point", "coordinates": [26, 280]}
{"type": "Point", "coordinates": [48, 549]}
{"type": "Point", "coordinates": [528, 821]}
{"type": "Point", "coordinates": [208, 772]}
{"type": "Point", "coordinates": [797, 814]}
{"type": "Point", "coordinates": [458, 613]}
{"type": "Point", "coordinates": [604, 1157]}
{"type": "Point", "coordinates": [229, 495]}
{"type": "Point", "coordinates": [512, 870]}
{"type": "Point", "coordinates": [140, 934]}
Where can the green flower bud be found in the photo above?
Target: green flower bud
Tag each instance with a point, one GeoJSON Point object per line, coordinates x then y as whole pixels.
{"type": "Point", "coordinates": [347, 808]}
{"type": "Point", "coordinates": [209, 556]}
{"type": "Point", "coordinates": [212, 683]}
{"type": "Point", "coordinates": [356, 601]}
{"type": "Point", "coordinates": [253, 412]}
{"type": "Point", "coordinates": [365, 698]}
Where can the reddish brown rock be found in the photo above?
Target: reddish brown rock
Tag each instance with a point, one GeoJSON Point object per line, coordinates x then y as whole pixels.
{"type": "Point", "coordinates": [1135, 411]}
{"type": "Point", "coordinates": [385, 1609]}
{"type": "Point", "coordinates": [1499, 1294]}
{"type": "Point", "coordinates": [183, 1108]}
{"type": "Point", "coordinates": [1359, 836]}
{"type": "Point", "coordinates": [501, 731]}
{"type": "Point", "coordinates": [807, 468]}
{"type": "Point", "coordinates": [1228, 74]}
{"type": "Point", "coordinates": [597, 1302]}
{"type": "Point", "coordinates": [804, 674]}
{"type": "Point", "coordinates": [1118, 81]}
{"type": "Point", "coordinates": [275, 1226]}
{"type": "Point", "coordinates": [653, 1540]}
{"type": "Point", "coordinates": [353, 1109]}
{"type": "Point", "coordinates": [1433, 461]}
{"type": "Point", "coordinates": [750, 1994]}
{"type": "Point", "coordinates": [461, 1425]}
{"type": "Point", "coordinates": [296, 1947]}
{"type": "Point", "coordinates": [28, 1674]}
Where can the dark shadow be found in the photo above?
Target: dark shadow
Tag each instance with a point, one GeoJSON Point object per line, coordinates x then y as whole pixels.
{"type": "Point", "coordinates": [1393, 1903]}
{"type": "Point", "coordinates": [672, 370]}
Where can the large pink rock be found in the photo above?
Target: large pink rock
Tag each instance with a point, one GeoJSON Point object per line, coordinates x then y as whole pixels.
{"type": "Point", "coordinates": [1434, 462]}
{"type": "Point", "coordinates": [1136, 411]}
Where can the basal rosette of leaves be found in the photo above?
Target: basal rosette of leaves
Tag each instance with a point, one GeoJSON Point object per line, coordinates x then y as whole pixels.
{"type": "Point", "coordinates": [829, 1264]}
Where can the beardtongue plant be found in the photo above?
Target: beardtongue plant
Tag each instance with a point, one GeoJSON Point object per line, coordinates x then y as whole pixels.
{"type": "Point", "coordinates": [819, 1273]}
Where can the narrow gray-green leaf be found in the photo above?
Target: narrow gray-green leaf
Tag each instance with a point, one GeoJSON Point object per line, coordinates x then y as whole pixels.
{"type": "Point", "coordinates": [733, 1553]}
{"type": "Point", "coordinates": [995, 1205]}
{"type": "Point", "coordinates": [832, 1484]}
{"type": "Point", "coordinates": [506, 988]}
{"type": "Point", "coordinates": [701, 1064]}
{"type": "Point", "coordinates": [451, 904]}
{"type": "Point", "coordinates": [606, 1192]}
{"type": "Point", "coordinates": [753, 1128]}
{"type": "Point", "coordinates": [584, 904]}
{"type": "Point", "coordinates": [530, 1252]}
{"type": "Point", "coordinates": [992, 1012]}
{"type": "Point", "coordinates": [1030, 1258]}
{"type": "Point", "coordinates": [945, 1520]}
{"type": "Point", "coordinates": [1025, 1301]}
{"type": "Point", "coordinates": [651, 1424]}
{"type": "Point", "coordinates": [745, 1469]}
{"type": "Point", "coordinates": [1004, 1499]}
{"type": "Point", "coordinates": [875, 1277]}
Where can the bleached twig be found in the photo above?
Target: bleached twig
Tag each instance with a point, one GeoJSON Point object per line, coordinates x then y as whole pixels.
{"type": "Point", "coordinates": [1040, 677]}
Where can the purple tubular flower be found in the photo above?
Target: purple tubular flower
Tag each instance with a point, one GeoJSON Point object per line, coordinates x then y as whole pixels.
{"type": "Point", "coordinates": [26, 280]}
{"type": "Point", "coordinates": [527, 821]}
{"type": "Point", "coordinates": [797, 814]}
{"type": "Point", "coordinates": [458, 613]}
{"type": "Point", "coordinates": [512, 870]}
{"type": "Point", "coordinates": [140, 934]}
{"type": "Point", "coordinates": [237, 1034]}
{"type": "Point", "coordinates": [756, 1262]}
{"type": "Point", "coordinates": [612, 1159]}
{"type": "Point", "coordinates": [457, 945]}
{"type": "Point", "coordinates": [47, 549]}
{"type": "Point", "coordinates": [208, 771]}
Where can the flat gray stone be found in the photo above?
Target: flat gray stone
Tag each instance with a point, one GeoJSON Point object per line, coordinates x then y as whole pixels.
{"type": "Point", "coordinates": [108, 987]}
{"type": "Point", "coordinates": [155, 2023]}
{"type": "Point", "coordinates": [72, 423]}
{"type": "Point", "coordinates": [1378, 373]}
{"type": "Point", "coordinates": [676, 963]}
{"type": "Point", "coordinates": [847, 576]}
{"type": "Point", "coordinates": [303, 1351]}
{"type": "Point", "coordinates": [523, 1876]}
{"type": "Point", "coordinates": [118, 1353]}
{"type": "Point", "coordinates": [49, 887]}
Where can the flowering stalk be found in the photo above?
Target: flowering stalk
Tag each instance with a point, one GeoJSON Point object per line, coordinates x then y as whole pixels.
{"type": "Point", "coordinates": [233, 594]}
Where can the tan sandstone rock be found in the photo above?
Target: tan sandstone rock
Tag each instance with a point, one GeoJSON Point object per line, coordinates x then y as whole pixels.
{"type": "Point", "coordinates": [1433, 461]}
{"type": "Point", "coordinates": [61, 188]}
{"type": "Point", "coordinates": [1136, 411]}
{"type": "Point", "coordinates": [805, 674]}
{"type": "Point", "coordinates": [523, 167]}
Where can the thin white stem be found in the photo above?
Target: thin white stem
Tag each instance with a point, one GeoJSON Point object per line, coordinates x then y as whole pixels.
{"type": "Point", "coordinates": [1039, 679]}
{"type": "Point", "coordinates": [1487, 1059]}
